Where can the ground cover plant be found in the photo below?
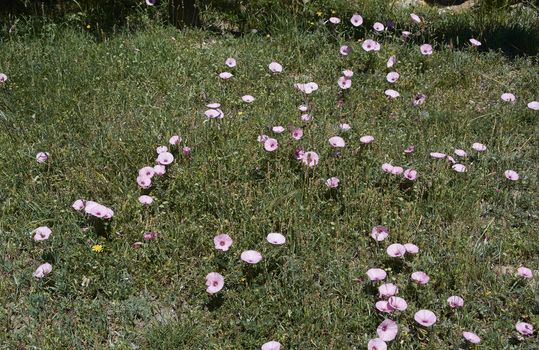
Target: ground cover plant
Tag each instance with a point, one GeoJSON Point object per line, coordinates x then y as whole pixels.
{"type": "Point", "coordinates": [304, 190]}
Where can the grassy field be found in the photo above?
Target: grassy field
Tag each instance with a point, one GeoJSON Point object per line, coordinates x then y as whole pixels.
{"type": "Point", "coordinates": [101, 109]}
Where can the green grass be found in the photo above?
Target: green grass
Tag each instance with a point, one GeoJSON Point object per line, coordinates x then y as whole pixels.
{"type": "Point", "coordinates": [101, 109]}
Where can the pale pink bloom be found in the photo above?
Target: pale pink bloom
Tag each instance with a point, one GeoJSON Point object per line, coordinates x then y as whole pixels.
{"type": "Point", "coordinates": [460, 153]}
{"type": "Point", "coordinates": [275, 67]}
{"type": "Point", "coordinates": [174, 140]}
{"type": "Point", "coordinates": [425, 318]}
{"type": "Point", "coordinates": [409, 149]}
{"type": "Point", "coordinates": [508, 97]}
{"type": "Point", "coordinates": [437, 155]}
{"type": "Point", "coordinates": [392, 77]}
{"type": "Point", "coordinates": [511, 175]}
{"type": "Point", "coordinates": [311, 87]}
{"type": "Point", "coordinates": [344, 50]}
{"type": "Point", "coordinates": [344, 83]}
{"type": "Point", "coordinates": [214, 113]}
{"type": "Point", "coordinates": [298, 153]}
{"type": "Point", "coordinates": [479, 147]}
{"type": "Point", "coordinates": [387, 290]}
{"type": "Point", "coordinates": [356, 20]}
{"type": "Point", "coordinates": [297, 133]}
{"type": "Point", "coordinates": [345, 127]}
{"type": "Point", "coordinates": [277, 129]}
{"type": "Point", "coordinates": [247, 98]}
{"type": "Point", "coordinates": [411, 248]}
{"type": "Point", "coordinates": [271, 345]}
{"type": "Point", "coordinates": [451, 159]}
{"type": "Point", "coordinates": [379, 232]}
{"type": "Point", "coordinates": [387, 168]}
{"type": "Point", "coordinates": [161, 149]}
{"type": "Point", "coordinates": [215, 282]}
{"type": "Point", "coordinates": [376, 274]}
{"type": "Point", "coordinates": [42, 270]}
{"type": "Point", "coordinates": [305, 117]}
{"type": "Point", "coordinates": [225, 75]}
{"type": "Point", "coordinates": [459, 168]}
{"type": "Point", "coordinates": [310, 158]}
{"type": "Point", "coordinates": [397, 170]}
{"type": "Point", "coordinates": [419, 99]}
{"type": "Point", "coordinates": [230, 62]}
{"type": "Point", "coordinates": [262, 138]}
{"type": "Point", "coordinates": [42, 157]}
{"type": "Point", "coordinates": [145, 199]}
{"type": "Point", "coordinates": [391, 61]}
{"type": "Point", "coordinates": [534, 105]}
{"type": "Point", "coordinates": [376, 344]}
{"type": "Point", "coordinates": [455, 301]}
{"type": "Point", "coordinates": [303, 108]}
{"type": "Point", "coordinates": [165, 158]}
{"type": "Point", "coordinates": [410, 174]}
{"type": "Point", "coordinates": [144, 182]}
{"type": "Point", "coordinates": [222, 242]}
{"type": "Point", "coordinates": [213, 106]}
{"type": "Point", "coordinates": [397, 303]}
{"type": "Point", "coordinates": [78, 205]}
{"type": "Point", "coordinates": [396, 250]}
{"type": "Point", "coordinates": [426, 49]}
{"type": "Point", "coordinates": [406, 34]}
{"type": "Point", "coordinates": [159, 170]}
{"type": "Point", "coordinates": [420, 277]}
{"type": "Point", "coordinates": [42, 233]}
{"type": "Point", "coordinates": [370, 45]}
{"type": "Point", "coordinates": [348, 73]}
{"type": "Point", "coordinates": [147, 171]}
{"type": "Point", "coordinates": [524, 272]}
{"type": "Point", "coordinates": [524, 328]}
{"type": "Point", "coordinates": [271, 145]}
{"type": "Point", "coordinates": [186, 151]}
{"type": "Point", "coordinates": [392, 93]}
{"type": "Point", "coordinates": [335, 20]}
{"type": "Point", "coordinates": [415, 18]}
{"type": "Point", "coordinates": [336, 141]}
{"type": "Point", "coordinates": [149, 236]}
{"type": "Point", "coordinates": [3, 78]}
{"type": "Point", "coordinates": [150, 2]}
{"type": "Point", "coordinates": [332, 182]}
{"type": "Point", "coordinates": [251, 256]}
{"type": "Point", "coordinates": [276, 238]}
{"type": "Point", "coordinates": [383, 306]}
{"type": "Point", "coordinates": [137, 245]}
{"type": "Point", "coordinates": [366, 139]}
{"type": "Point", "coordinates": [378, 26]}
{"type": "Point", "coordinates": [475, 42]}
{"type": "Point", "coordinates": [98, 210]}
{"type": "Point", "coordinates": [387, 330]}
{"type": "Point", "coordinates": [471, 337]}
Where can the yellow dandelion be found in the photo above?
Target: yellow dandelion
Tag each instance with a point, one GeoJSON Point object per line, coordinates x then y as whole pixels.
{"type": "Point", "coordinates": [333, 11]}
{"type": "Point", "coordinates": [98, 248]}
{"type": "Point", "coordinates": [319, 13]}
{"type": "Point", "coordinates": [88, 26]}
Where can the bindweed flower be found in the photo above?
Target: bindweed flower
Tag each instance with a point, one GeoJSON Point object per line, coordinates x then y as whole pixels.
{"type": "Point", "coordinates": [376, 344]}
{"type": "Point", "coordinates": [426, 49]}
{"type": "Point", "coordinates": [147, 171]}
{"type": "Point", "coordinates": [174, 140]}
{"type": "Point", "coordinates": [159, 170]}
{"type": "Point", "coordinates": [370, 45]}
{"type": "Point", "coordinates": [411, 248]}
{"type": "Point", "coordinates": [366, 139]}
{"type": "Point", "coordinates": [356, 20]}
{"type": "Point", "coordinates": [337, 142]}
{"type": "Point", "coordinates": [460, 152]}
{"type": "Point", "coordinates": [78, 205]}
{"type": "Point", "coordinates": [410, 174]}
{"type": "Point", "coordinates": [391, 61]}
{"type": "Point", "coordinates": [511, 175]}
{"type": "Point", "coordinates": [387, 330]}
{"type": "Point", "coordinates": [150, 236]}
{"type": "Point", "coordinates": [471, 337]}
{"type": "Point", "coordinates": [344, 50]}
{"type": "Point", "coordinates": [222, 242]}
{"type": "Point", "coordinates": [214, 114]}
{"type": "Point", "coordinates": [215, 282]}
{"type": "Point", "coordinates": [145, 200]}
{"type": "Point", "coordinates": [186, 151]}
{"type": "Point", "coordinates": [165, 158]}
{"type": "Point", "coordinates": [524, 272]}
{"type": "Point", "coordinates": [42, 233]}
{"type": "Point", "coordinates": [213, 106]}
{"type": "Point", "coordinates": [144, 182]}
{"type": "Point", "coordinates": [150, 2]}
{"type": "Point", "coordinates": [376, 274]}
{"type": "Point", "coordinates": [98, 210]}
{"type": "Point", "coordinates": [161, 149]}
{"type": "Point", "coordinates": [455, 301]}
{"type": "Point", "coordinates": [409, 149]}
{"type": "Point", "coordinates": [392, 77]}
{"type": "Point", "coordinates": [251, 256]}
{"type": "Point", "coordinates": [379, 233]}
{"type": "Point", "coordinates": [310, 159]}
{"type": "Point", "coordinates": [278, 129]}
{"type": "Point", "coordinates": [419, 99]}
{"type": "Point", "coordinates": [3, 78]}
{"type": "Point", "coordinates": [387, 168]}
{"type": "Point", "coordinates": [415, 18]}
{"type": "Point", "coordinates": [524, 328]}
{"type": "Point", "coordinates": [271, 145]}
{"type": "Point", "coordinates": [508, 97]}
{"type": "Point", "coordinates": [391, 94]}
{"type": "Point", "coordinates": [247, 98]}
{"type": "Point", "coordinates": [42, 270]}
{"type": "Point", "coordinates": [334, 20]}
{"type": "Point", "coordinates": [344, 83]}
{"type": "Point", "coordinates": [332, 182]}
{"type": "Point", "coordinates": [297, 133]}
{"type": "Point", "coordinates": [534, 105]}
{"type": "Point", "coordinates": [420, 277]}
{"type": "Point", "coordinates": [425, 318]}
{"type": "Point", "coordinates": [271, 345]}
{"type": "Point", "coordinates": [225, 75]}
{"type": "Point", "coordinates": [276, 238]}
{"type": "Point", "coordinates": [387, 290]}
{"type": "Point", "coordinates": [438, 155]}
{"type": "Point", "coordinates": [396, 250]}
{"type": "Point", "coordinates": [479, 147]}
{"type": "Point", "coordinates": [397, 303]}
{"type": "Point", "coordinates": [345, 127]}
{"type": "Point", "coordinates": [306, 117]}
{"type": "Point", "coordinates": [298, 153]}
{"type": "Point", "coordinates": [379, 27]}
{"type": "Point", "coordinates": [347, 73]}
{"type": "Point", "coordinates": [230, 62]}
{"type": "Point", "coordinates": [275, 67]}
{"type": "Point", "coordinates": [474, 42]}
{"type": "Point", "coordinates": [303, 108]}
{"type": "Point", "coordinates": [459, 168]}
{"type": "Point", "coordinates": [406, 34]}
{"type": "Point", "coordinates": [397, 170]}
{"type": "Point", "coordinates": [383, 306]}
{"type": "Point", "coordinates": [42, 157]}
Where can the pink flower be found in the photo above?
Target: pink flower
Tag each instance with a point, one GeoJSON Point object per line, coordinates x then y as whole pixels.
{"type": "Point", "coordinates": [420, 277]}
{"type": "Point", "coordinates": [159, 170]}
{"type": "Point", "coordinates": [230, 62]}
{"type": "Point", "coordinates": [409, 149]}
{"type": "Point", "coordinates": [376, 344]}
{"type": "Point", "coordinates": [336, 141]}
{"type": "Point", "coordinates": [98, 210]}
{"type": "Point", "coordinates": [3, 78]}
{"type": "Point", "coordinates": [345, 127]}
{"type": "Point", "coordinates": [174, 140]}
{"type": "Point", "coordinates": [303, 108]}
{"type": "Point", "coordinates": [214, 114]}
{"type": "Point", "coordinates": [276, 238]}
{"type": "Point", "coordinates": [410, 174]}
{"type": "Point", "coordinates": [332, 182]}
{"type": "Point", "coordinates": [215, 282]}
{"type": "Point", "coordinates": [397, 303]}
{"type": "Point", "coordinates": [251, 256]}
{"type": "Point", "coordinates": [459, 168]}
{"type": "Point", "coordinates": [370, 45]}
{"type": "Point", "coordinates": [277, 129]}
{"type": "Point", "coordinates": [511, 175]}
{"type": "Point", "coordinates": [392, 77]}
{"type": "Point", "coordinates": [387, 168]}
{"type": "Point", "coordinates": [347, 73]}
{"type": "Point", "coordinates": [378, 26]}
{"type": "Point", "coordinates": [356, 20]}
{"type": "Point", "coordinates": [411, 248]}
{"type": "Point", "coordinates": [524, 272]}
{"type": "Point", "coordinates": [391, 61]}
{"type": "Point", "coordinates": [397, 170]}
{"type": "Point", "coordinates": [310, 158]}
{"type": "Point", "coordinates": [406, 34]}
{"type": "Point", "coordinates": [150, 2]}
{"type": "Point", "coordinates": [271, 145]}
{"type": "Point", "coordinates": [335, 20]}
{"type": "Point", "coordinates": [305, 117]}
{"type": "Point", "coordinates": [275, 67]}
{"type": "Point", "coordinates": [42, 157]}
{"type": "Point", "coordinates": [460, 153]}
{"type": "Point", "coordinates": [297, 133]}
{"type": "Point", "coordinates": [42, 233]}
{"type": "Point", "coordinates": [419, 99]}
{"type": "Point", "coordinates": [396, 250]}
{"type": "Point", "coordinates": [534, 105]}
{"type": "Point", "coordinates": [247, 98]}
{"type": "Point", "coordinates": [376, 274]}
{"type": "Point", "coordinates": [42, 270]}
{"type": "Point", "coordinates": [471, 337]}
{"type": "Point", "coordinates": [147, 171]}
{"type": "Point", "coordinates": [415, 18]}
{"type": "Point", "coordinates": [426, 49]}
{"type": "Point", "coordinates": [161, 149]}
{"type": "Point", "coordinates": [475, 42]}
{"type": "Point", "coordinates": [344, 83]}
{"type": "Point", "coordinates": [455, 301]}
{"type": "Point", "coordinates": [524, 328]}
{"type": "Point", "coordinates": [262, 138]}
{"type": "Point", "coordinates": [165, 158]}
{"type": "Point", "coordinates": [213, 106]}
{"type": "Point", "coordinates": [144, 182]}
{"type": "Point", "coordinates": [222, 242]}
{"type": "Point", "coordinates": [479, 147]}
{"type": "Point", "coordinates": [225, 75]}
{"type": "Point", "coordinates": [425, 318]}
{"type": "Point", "coordinates": [379, 233]}
{"type": "Point", "coordinates": [344, 50]}
{"type": "Point", "coordinates": [271, 345]}
{"type": "Point", "coordinates": [437, 155]}
{"type": "Point", "coordinates": [145, 200]}
{"type": "Point", "coordinates": [298, 153]}
{"type": "Point", "coordinates": [383, 306]}
{"type": "Point", "coordinates": [508, 97]}
{"type": "Point", "coordinates": [387, 330]}
{"type": "Point", "coordinates": [392, 93]}
{"type": "Point", "coordinates": [78, 205]}
{"type": "Point", "coordinates": [149, 236]}
{"type": "Point", "coordinates": [366, 139]}
{"type": "Point", "coordinates": [387, 290]}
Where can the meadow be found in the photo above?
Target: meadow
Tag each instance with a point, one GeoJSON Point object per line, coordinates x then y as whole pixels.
{"type": "Point", "coordinates": [434, 174]}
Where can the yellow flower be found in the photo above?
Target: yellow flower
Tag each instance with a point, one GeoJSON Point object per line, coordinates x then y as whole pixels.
{"type": "Point", "coordinates": [333, 11]}
{"type": "Point", "coordinates": [98, 248]}
{"type": "Point", "coordinates": [319, 13]}
{"type": "Point", "coordinates": [240, 113]}
{"type": "Point", "coordinates": [88, 26]}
